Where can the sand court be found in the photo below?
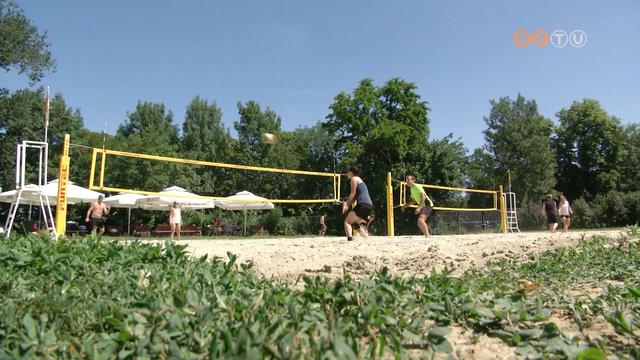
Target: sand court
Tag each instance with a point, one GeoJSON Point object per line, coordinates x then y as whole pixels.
{"type": "Point", "coordinates": [332, 257]}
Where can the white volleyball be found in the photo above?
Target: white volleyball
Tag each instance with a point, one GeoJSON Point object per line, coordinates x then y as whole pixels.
{"type": "Point", "coordinates": [269, 138]}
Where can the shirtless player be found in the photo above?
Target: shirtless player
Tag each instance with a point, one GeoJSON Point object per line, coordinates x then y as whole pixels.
{"type": "Point", "coordinates": [96, 210]}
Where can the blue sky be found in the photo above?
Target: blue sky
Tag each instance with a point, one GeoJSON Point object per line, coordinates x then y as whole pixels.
{"type": "Point", "coordinates": [295, 56]}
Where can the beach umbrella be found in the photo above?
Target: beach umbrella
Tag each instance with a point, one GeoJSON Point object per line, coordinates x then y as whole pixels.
{"type": "Point", "coordinates": [244, 200]}
{"type": "Point", "coordinates": [165, 199]}
{"type": "Point", "coordinates": [31, 194]}
{"type": "Point", "coordinates": [75, 194]}
{"type": "Point", "coordinates": [125, 201]}
{"type": "Point", "coordinates": [46, 195]}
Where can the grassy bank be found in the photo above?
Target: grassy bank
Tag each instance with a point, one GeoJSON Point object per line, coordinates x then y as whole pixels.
{"type": "Point", "coordinates": [86, 298]}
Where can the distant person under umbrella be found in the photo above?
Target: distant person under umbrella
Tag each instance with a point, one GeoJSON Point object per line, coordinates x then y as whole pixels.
{"type": "Point", "coordinates": [175, 218]}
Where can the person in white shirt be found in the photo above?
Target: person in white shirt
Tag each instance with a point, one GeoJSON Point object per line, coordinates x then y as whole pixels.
{"type": "Point", "coordinates": [175, 218]}
{"type": "Point", "coordinates": [565, 211]}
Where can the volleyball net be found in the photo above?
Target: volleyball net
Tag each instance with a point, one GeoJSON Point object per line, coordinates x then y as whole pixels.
{"type": "Point", "coordinates": [102, 159]}
{"type": "Point", "coordinates": [451, 205]}
{"type": "Point", "coordinates": [99, 163]}
{"type": "Point", "coordinates": [493, 203]}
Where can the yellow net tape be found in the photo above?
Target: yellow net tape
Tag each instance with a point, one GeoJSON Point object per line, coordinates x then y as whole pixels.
{"type": "Point", "coordinates": [403, 196]}
{"type": "Point", "coordinates": [105, 152]}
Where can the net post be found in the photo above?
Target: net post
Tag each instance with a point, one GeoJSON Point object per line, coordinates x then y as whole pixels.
{"type": "Point", "coordinates": [94, 157]}
{"type": "Point", "coordinates": [63, 178]}
{"type": "Point", "coordinates": [503, 212]}
{"type": "Point", "coordinates": [335, 191]}
{"type": "Point", "coordinates": [390, 227]}
{"type": "Point", "coordinates": [102, 162]}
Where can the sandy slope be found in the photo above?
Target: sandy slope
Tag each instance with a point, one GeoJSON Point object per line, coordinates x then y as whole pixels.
{"type": "Point", "coordinates": [287, 258]}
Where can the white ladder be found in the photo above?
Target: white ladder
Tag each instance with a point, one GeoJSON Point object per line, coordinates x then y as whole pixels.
{"type": "Point", "coordinates": [511, 211]}
{"type": "Point", "coordinates": [43, 200]}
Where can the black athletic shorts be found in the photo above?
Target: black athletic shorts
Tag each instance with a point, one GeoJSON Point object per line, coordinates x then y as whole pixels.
{"type": "Point", "coordinates": [363, 210]}
{"type": "Point", "coordinates": [427, 210]}
{"type": "Point", "coordinates": [552, 219]}
{"type": "Point", "coordinates": [97, 223]}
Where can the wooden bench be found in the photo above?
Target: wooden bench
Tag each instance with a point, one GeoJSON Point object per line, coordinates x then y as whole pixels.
{"type": "Point", "coordinates": [162, 229]}
{"type": "Point", "coordinates": [165, 229]}
{"type": "Point", "coordinates": [191, 230]}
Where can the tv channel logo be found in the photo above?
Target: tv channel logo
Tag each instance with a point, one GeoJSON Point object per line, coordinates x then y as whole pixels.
{"type": "Point", "coordinates": [541, 38]}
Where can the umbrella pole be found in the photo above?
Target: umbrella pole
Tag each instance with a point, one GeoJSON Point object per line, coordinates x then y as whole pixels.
{"type": "Point", "coordinates": [129, 223]}
{"type": "Point", "coordinates": [245, 222]}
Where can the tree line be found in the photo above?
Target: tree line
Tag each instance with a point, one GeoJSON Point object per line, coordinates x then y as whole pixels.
{"type": "Point", "coordinates": [587, 154]}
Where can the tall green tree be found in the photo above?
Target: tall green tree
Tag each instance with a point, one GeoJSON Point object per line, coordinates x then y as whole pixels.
{"type": "Point", "coordinates": [629, 169]}
{"type": "Point", "coordinates": [518, 139]}
{"type": "Point", "coordinates": [251, 150]}
{"type": "Point", "coordinates": [204, 137]}
{"type": "Point", "coordinates": [22, 46]}
{"type": "Point", "coordinates": [203, 133]}
{"type": "Point", "coordinates": [447, 162]}
{"type": "Point", "coordinates": [150, 130]}
{"type": "Point", "coordinates": [314, 148]}
{"type": "Point", "coordinates": [378, 125]}
{"type": "Point", "coordinates": [252, 124]}
{"type": "Point", "coordinates": [380, 129]}
{"type": "Point", "coordinates": [479, 175]}
{"type": "Point", "coordinates": [589, 146]}
{"type": "Point", "coordinates": [22, 118]}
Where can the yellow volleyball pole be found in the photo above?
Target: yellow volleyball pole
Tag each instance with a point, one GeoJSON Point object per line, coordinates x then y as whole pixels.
{"type": "Point", "coordinates": [390, 225]}
{"type": "Point", "coordinates": [503, 212]}
{"type": "Point", "coordinates": [63, 179]}
{"type": "Point", "coordinates": [94, 156]}
{"type": "Point", "coordinates": [102, 164]}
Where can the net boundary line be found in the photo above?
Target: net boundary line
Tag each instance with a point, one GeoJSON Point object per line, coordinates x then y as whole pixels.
{"type": "Point", "coordinates": [206, 197]}
{"type": "Point", "coordinates": [498, 201]}
{"type": "Point", "coordinates": [403, 197]}
{"type": "Point", "coordinates": [212, 163]}
{"type": "Point", "coordinates": [336, 178]}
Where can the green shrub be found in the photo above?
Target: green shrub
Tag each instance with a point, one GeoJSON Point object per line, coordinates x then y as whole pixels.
{"type": "Point", "coordinates": [583, 215]}
{"type": "Point", "coordinates": [614, 209]}
{"type": "Point", "coordinates": [530, 216]}
{"type": "Point", "coordinates": [197, 217]}
{"type": "Point", "coordinates": [276, 224]}
{"type": "Point", "coordinates": [303, 225]}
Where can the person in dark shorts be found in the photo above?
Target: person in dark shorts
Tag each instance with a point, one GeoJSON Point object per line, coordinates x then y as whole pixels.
{"type": "Point", "coordinates": [419, 196]}
{"type": "Point", "coordinates": [323, 225]}
{"type": "Point", "coordinates": [549, 208]}
{"type": "Point", "coordinates": [94, 215]}
{"type": "Point", "coordinates": [359, 194]}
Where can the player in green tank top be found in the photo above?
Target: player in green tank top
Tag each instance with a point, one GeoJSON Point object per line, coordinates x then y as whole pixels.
{"type": "Point", "coordinates": [419, 197]}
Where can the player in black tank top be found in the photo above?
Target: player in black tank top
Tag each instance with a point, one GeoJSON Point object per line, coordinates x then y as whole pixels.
{"type": "Point", "coordinates": [364, 207]}
{"type": "Point", "coordinates": [549, 208]}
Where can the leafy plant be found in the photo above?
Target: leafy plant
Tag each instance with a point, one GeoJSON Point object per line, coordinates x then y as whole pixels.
{"type": "Point", "coordinates": [95, 299]}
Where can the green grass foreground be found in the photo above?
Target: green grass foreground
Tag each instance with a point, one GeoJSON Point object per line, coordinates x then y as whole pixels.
{"type": "Point", "coordinates": [91, 299]}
